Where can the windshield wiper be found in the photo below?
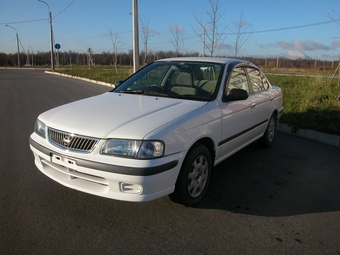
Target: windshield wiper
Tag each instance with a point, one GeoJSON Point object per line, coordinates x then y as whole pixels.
{"type": "Point", "coordinates": [192, 97]}
{"type": "Point", "coordinates": [138, 92]}
{"type": "Point", "coordinates": [155, 93]}
{"type": "Point", "coordinates": [143, 92]}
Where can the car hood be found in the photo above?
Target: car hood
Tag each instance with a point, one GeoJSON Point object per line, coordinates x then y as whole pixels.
{"type": "Point", "coordinates": [116, 115]}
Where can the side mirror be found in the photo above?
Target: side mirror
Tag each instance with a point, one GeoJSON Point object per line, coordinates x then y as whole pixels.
{"type": "Point", "coordinates": [236, 95]}
{"type": "Point", "coordinates": [117, 83]}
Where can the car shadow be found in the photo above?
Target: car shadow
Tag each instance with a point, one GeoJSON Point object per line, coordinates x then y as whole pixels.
{"type": "Point", "coordinates": [294, 176]}
{"type": "Point", "coordinates": [324, 121]}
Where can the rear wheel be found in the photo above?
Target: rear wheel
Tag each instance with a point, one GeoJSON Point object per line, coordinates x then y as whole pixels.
{"type": "Point", "coordinates": [269, 135]}
{"type": "Point", "coordinates": [194, 177]}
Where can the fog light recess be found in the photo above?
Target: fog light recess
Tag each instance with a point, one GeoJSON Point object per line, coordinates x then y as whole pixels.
{"type": "Point", "coordinates": [130, 188]}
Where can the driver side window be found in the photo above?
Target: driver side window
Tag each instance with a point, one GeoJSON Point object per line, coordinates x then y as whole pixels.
{"type": "Point", "coordinates": [153, 77]}
{"type": "Point", "coordinates": [237, 80]}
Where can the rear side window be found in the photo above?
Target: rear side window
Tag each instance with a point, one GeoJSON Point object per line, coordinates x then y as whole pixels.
{"type": "Point", "coordinates": [264, 81]}
{"type": "Point", "coordinates": [257, 79]}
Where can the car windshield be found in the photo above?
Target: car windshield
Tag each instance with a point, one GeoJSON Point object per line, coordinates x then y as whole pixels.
{"type": "Point", "coordinates": [186, 80]}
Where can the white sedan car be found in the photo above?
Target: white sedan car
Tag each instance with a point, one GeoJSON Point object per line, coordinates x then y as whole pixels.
{"type": "Point", "coordinates": [160, 132]}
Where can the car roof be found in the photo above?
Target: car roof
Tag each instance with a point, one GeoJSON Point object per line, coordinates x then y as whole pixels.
{"type": "Point", "coordinates": [207, 59]}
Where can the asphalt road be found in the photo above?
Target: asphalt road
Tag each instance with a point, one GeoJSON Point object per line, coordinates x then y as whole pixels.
{"type": "Point", "coordinates": [282, 200]}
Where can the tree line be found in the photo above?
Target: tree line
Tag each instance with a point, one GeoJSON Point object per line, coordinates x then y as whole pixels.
{"type": "Point", "coordinates": [43, 59]}
{"type": "Point", "coordinates": [75, 58]}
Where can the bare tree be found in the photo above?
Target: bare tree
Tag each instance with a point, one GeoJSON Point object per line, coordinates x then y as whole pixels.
{"type": "Point", "coordinates": [337, 21]}
{"type": "Point", "coordinates": [177, 37]}
{"type": "Point", "coordinates": [116, 43]}
{"type": "Point", "coordinates": [213, 28]}
{"type": "Point", "coordinates": [241, 35]}
{"type": "Point", "coordinates": [145, 35]}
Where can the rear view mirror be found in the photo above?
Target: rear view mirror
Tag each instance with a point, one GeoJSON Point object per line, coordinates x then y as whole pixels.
{"type": "Point", "coordinates": [117, 83]}
{"type": "Point", "coordinates": [236, 95]}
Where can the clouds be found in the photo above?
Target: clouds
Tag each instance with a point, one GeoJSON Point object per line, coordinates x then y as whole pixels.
{"type": "Point", "coordinates": [298, 48]}
{"type": "Point", "coordinates": [336, 44]}
{"type": "Point", "coordinates": [307, 45]}
{"type": "Point", "coordinates": [267, 45]}
{"type": "Point", "coordinates": [295, 54]}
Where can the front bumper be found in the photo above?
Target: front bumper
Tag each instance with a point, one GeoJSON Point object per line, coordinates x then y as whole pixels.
{"type": "Point", "coordinates": [141, 180]}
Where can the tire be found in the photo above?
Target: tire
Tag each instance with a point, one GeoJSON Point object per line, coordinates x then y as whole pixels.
{"type": "Point", "coordinates": [194, 177]}
{"type": "Point", "coordinates": [268, 138]}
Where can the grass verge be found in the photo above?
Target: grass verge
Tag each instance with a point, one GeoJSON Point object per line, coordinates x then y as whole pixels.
{"type": "Point", "coordinates": [99, 73]}
{"type": "Point", "coordinates": [310, 102]}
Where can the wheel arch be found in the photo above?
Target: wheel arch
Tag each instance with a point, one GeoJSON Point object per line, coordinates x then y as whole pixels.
{"type": "Point", "coordinates": [182, 194]}
{"type": "Point", "coordinates": [209, 143]}
{"type": "Point", "coordinates": [276, 114]}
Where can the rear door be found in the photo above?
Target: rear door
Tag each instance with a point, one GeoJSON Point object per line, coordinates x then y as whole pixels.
{"type": "Point", "coordinates": [260, 88]}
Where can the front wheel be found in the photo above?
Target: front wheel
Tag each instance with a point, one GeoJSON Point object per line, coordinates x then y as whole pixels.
{"type": "Point", "coordinates": [194, 177]}
{"type": "Point", "coordinates": [269, 135]}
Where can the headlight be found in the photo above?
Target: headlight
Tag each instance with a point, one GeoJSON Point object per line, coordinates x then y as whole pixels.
{"type": "Point", "coordinates": [40, 128]}
{"type": "Point", "coordinates": [151, 149]}
{"type": "Point", "coordinates": [134, 149]}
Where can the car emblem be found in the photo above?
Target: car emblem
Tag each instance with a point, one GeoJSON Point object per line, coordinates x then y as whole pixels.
{"type": "Point", "coordinates": [66, 140]}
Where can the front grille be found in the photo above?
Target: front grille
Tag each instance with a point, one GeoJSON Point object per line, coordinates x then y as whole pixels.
{"type": "Point", "coordinates": [71, 141]}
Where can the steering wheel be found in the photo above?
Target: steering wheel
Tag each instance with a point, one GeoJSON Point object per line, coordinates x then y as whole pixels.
{"type": "Point", "coordinates": [158, 88]}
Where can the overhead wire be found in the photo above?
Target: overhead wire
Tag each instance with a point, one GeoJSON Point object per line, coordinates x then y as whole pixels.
{"type": "Point", "coordinates": [65, 8]}
{"type": "Point", "coordinates": [249, 32]}
{"type": "Point", "coordinates": [252, 32]}
{"type": "Point", "coordinates": [273, 30]}
{"type": "Point", "coordinates": [292, 27]}
{"type": "Point", "coordinates": [37, 20]}
{"type": "Point", "coordinates": [24, 21]}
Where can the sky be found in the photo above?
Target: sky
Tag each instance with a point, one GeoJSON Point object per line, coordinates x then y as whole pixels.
{"type": "Point", "coordinates": [307, 29]}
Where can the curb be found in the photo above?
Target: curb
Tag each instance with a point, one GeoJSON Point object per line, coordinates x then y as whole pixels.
{"type": "Point", "coordinates": [333, 140]}
{"type": "Point", "coordinates": [83, 79]}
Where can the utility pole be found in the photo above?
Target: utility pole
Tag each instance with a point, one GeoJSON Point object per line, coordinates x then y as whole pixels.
{"type": "Point", "coordinates": [51, 33]}
{"type": "Point", "coordinates": [16, 32]}
{"type": "Point", "coordinates": [135, 35]}
{"type": "Point", "coordinates": [316, 59]}
{"type": "Point", "coordinates": [89, 59]}
{"type": "Point", "coordinates": [32, 53]}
